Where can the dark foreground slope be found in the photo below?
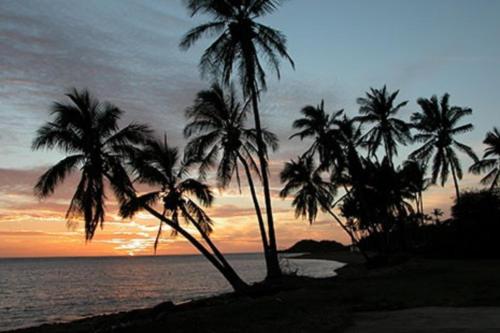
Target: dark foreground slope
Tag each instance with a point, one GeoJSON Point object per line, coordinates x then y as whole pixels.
{"type": "Point", "coordinates": [308, 305]}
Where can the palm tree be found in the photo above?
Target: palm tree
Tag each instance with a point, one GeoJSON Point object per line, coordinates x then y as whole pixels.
{"type": "Point", "coordinates": [88, 132]}
{"type": "Point", "coordinates": [218, 134]}
{"type": "Point", "coordinates": [437, 125]}
{"type": "Point", "coordinates": [241, 42]}
{"type": "Point", "coordinates": [318, 124]}
{"type": "Point", "coordinates": [379, 199]}
{"type": "Point", "coordinates": [379, 108]}
{"type": "Point", "coordinates": [158, 165]}
{"type": "Point", "coordinates": [303, 180]}
{"type": "Point", "coordinates": [437, 213]}
{"type": "Point", "coordinates": [414, 173]}
{"type": "Point", "coordinates": [491, 160]}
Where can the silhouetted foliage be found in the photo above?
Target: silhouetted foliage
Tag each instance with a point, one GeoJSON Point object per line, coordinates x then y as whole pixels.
{"type": "Point", "coordinates": [218, 137]}
{"type": "Point", "coordinates": [380, 109]}
{"type": "Point", "coordinates": [491, 160]}
{"type": "Point", "coordinates": [241, 43]}
{"type": "Point", "coordinates": [437, 124]}
{"type": "Point", "coordinates": [88, 131]}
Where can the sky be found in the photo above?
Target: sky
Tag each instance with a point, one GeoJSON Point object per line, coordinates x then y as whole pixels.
{"type": "Point", "coordinates": [126, 52]}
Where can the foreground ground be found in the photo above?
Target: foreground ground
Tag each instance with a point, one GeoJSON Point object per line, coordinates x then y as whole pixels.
{"type": "Point", "coordinates": [358, 300]}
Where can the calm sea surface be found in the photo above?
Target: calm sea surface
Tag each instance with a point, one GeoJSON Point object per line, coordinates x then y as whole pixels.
{"type": "Point", "coordinates": [37, 291]}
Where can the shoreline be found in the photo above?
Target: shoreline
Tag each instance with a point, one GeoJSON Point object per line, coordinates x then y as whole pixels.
{"type": "Point", "coordinates": [80, 325]}
{"type": "Point", "coordinates": [355, 297]}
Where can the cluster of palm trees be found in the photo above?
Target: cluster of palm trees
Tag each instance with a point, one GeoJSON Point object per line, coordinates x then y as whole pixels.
{"type": "Point", "coordinates": [241, 43]}
{"type": "Point", "coordinates": [380, 198]}
{"type": "Point", "coordinates": [376, 194]}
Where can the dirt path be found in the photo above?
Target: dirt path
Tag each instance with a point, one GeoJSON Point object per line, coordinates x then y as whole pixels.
{"type": "Point", "coordinates": [428, 319]}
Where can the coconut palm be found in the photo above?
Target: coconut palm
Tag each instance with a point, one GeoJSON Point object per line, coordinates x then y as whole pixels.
{"type": "Point", "coordinates": [87, 131]}
{"type": "Point", "coordinates": [303, 180]}
{"type": "Point", "coordinates": [241, 43]}
{"type": "Point", "coordinates": [437, 124]}
{"type": "Point", "coordinates": [379, 199]}
{"type": "Point", "coordinates": [414, 173]}
{"type": "Point", "coordinates": [380, 109]}
{"type": "Point", "coordinates": [182, 198]}
{"type": "Point", "coordinates": [218, 134]}
{"type": "Point", "coordinates": [318, 124]}
{"type": "Point", "coordinates": [491, 160]}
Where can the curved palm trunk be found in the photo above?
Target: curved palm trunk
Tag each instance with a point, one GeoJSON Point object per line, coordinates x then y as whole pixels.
{"type": "Point", "coordinates": [236, 282]}
{"type": "Point", "coordinates": [274, 270]}
{"type": "Point", "coordinates": [256, 204]}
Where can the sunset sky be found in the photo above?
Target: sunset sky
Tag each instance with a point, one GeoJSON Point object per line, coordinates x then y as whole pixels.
{"type": "Point", "coordinates": [126, 52]}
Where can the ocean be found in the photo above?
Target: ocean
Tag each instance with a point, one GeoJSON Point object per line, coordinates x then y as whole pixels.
{"type": "Point", "coordinates": [48, 290]}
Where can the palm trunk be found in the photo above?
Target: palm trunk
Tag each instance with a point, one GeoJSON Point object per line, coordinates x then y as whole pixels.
{"type": "Point", "coordinates": [274, 270]}
{"type": "Point", "coordinates": [256, 204]}
{"type": "Point", "coordinates": [493, 184]}
{"type": "Point", "coordinates": [212, 246]}
{"type": "Point", "coordinates": [236, 282]}
{"type": "Point", "coordinates": [422, 207]}
{"type": "Point", "coordinates": [455, 180]}
{"type": "Point", "coordinates": [351, 235]}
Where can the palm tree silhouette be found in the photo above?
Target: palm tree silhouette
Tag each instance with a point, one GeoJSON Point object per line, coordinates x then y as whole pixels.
{"type": "Point", "coordinates": [378, 201]}
{"type": "Point", "coordinates": [491, 160]}
{"type": "Point", "coordinates": [437, 213]}
{"type": "Point", "coordinates": [303, 180]}
{"type": "Point", "coordinates": [241, 42]}
{"type": "Point", "coordinates": [88, 132]}
{"type": "Point", "coordinates": [414, 173]}
{"type": "Point", "coordinates": [318, 124]}
{"type": "Point", "coordinates": [437, 125]}
{"type": "Point", "coordinates": [158, 165]}
{"type": "Point", "coordinates": [379, 108]}
{"type": "Point", "coordinates": [218, 134]}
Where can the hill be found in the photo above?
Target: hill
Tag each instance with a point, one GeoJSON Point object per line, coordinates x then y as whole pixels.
{"type": "Point", "coordinates": [312, 246]}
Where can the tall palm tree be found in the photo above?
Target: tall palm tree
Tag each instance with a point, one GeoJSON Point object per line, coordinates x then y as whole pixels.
{"type": "Point", "coordinates": [380, 109]}
{"type": "Point", "coordinates": [491, 160]}
{"type": "Point", "coordinates": [218, 134]}
{"type": "Point", "coordinates": [88, 132]}
{"type": "Point", "coordinates": [311, 192]}
{"type": "Point", "coordinates": [437, 124]}
{"type": "Point", "coordinates": [241, 43]}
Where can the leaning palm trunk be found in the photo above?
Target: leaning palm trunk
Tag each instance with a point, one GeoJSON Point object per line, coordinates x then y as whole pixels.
{"type": "Point", "coordinates": [212, 246]}
{"type": "Point", "coordinates": [231, 276]}
{"type": "Point", "coordinates": [274, 270]}
{"type": "Point", "coordinates": [354, 240]}
{"type": "Point", "coordinates": [260, 220]}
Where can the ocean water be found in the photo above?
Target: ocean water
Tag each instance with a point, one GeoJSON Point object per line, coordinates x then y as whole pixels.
{"type": "Point", "coordinates": [38, 291]}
